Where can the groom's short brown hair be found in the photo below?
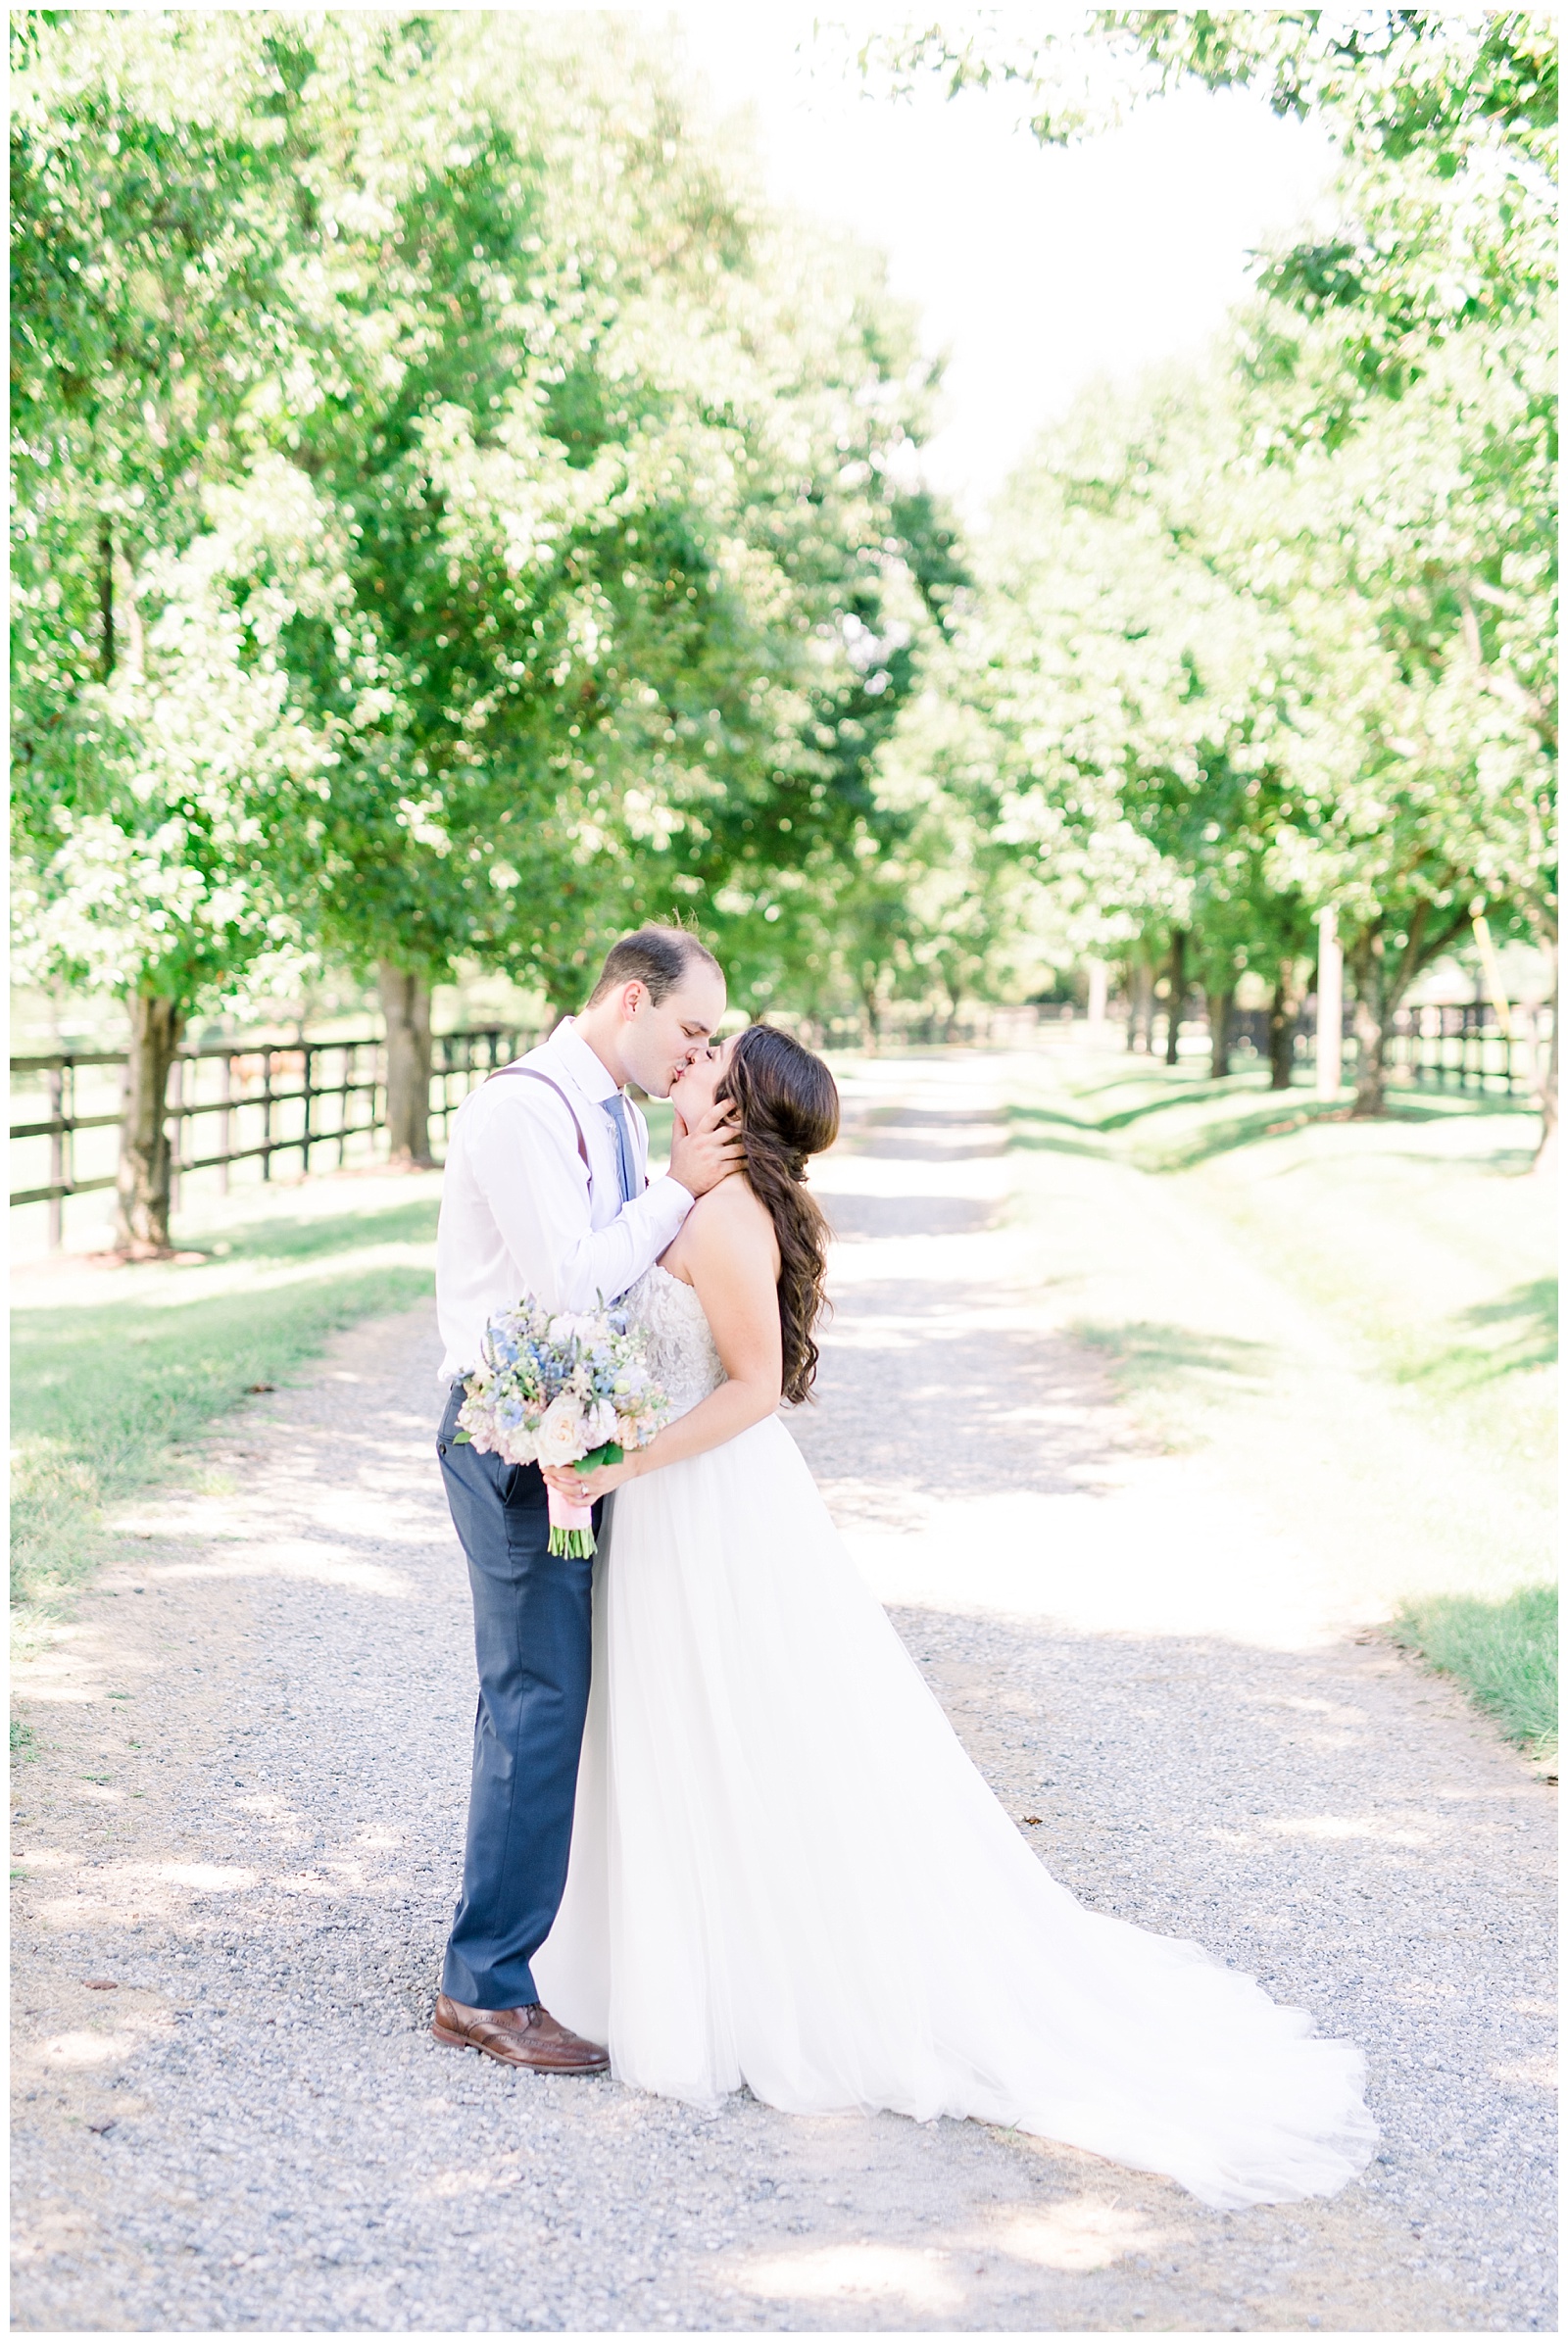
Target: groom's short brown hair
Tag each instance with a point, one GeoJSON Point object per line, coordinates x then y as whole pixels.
{"type": "Point", "coordinates": [661, 957]}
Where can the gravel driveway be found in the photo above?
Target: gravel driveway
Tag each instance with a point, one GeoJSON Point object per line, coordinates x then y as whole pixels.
{"type": "Point", "coordinates": [246, 1813]}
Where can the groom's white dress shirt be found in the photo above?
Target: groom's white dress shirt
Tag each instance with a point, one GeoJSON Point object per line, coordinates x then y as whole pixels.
{"type": "Point", "coordinates": [521, 1213]}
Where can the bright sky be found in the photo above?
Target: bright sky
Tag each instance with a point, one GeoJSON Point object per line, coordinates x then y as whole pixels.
{"type": "Point", "coordinates": [1037, 270]}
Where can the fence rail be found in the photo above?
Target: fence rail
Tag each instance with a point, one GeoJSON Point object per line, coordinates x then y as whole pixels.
{"type": "Point", "coordinates": [1454, 1044]}
{"type": "Point", "coordinates": [303, 1096]}
{"type": "Point", "coordinates": [268, 1101]}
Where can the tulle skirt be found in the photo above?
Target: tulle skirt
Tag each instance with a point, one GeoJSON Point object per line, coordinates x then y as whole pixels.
{"type": "Point", "coordinates": [785, 1872]}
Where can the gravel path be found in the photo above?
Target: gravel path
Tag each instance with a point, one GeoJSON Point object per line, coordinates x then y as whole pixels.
{"type": "Point", "coordinates": [246, 1814]}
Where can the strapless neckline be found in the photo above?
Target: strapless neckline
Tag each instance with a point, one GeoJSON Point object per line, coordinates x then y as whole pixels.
{"type": "Point", "coordinates": [677, 1340]}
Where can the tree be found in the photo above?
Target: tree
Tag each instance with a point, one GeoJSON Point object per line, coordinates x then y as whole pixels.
{"type": "Point", "coordinates": [154, 734]}
{"type": "Point", "coordinates": [1401, 427]}
{"type": "Point", "coordinates": [172, 871]}
{"type": "Point", "coordinates": [621, 546]}
{"type": "Point", "coordinates": [473, 443]}
{"type": "Point", "coordinates": [1138, 699]}
{"type": "Point", "coordinates": [1422, 787]}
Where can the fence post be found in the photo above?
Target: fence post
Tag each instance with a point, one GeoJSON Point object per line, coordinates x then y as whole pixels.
{"type": "Point", "coordinates": [267, 1115]}
{"type": "Point", "coordinates": [55, 1085]}
{"type": "Point", "coordinates": [176, 1131]}
{"type": "Point", "coordinates": [1330, 1006]}
{"type": "Point", "coordinates": [305, 1137]}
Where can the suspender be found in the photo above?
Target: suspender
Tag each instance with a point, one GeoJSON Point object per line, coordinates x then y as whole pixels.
{"type": "Point", "coordinates": [533, 1074]}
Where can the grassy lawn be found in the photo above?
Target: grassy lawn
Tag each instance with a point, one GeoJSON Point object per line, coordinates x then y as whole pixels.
{"type": "Point", "coordinates": [117, 1372]}
{"type": "Point", "coordinates": [1410, 1259]}
{"type": "Point", "coordinates": [1504, 1654]}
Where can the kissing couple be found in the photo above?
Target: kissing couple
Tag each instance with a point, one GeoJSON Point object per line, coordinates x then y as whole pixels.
{"type": "Point", "coordinates": [717, 1821]}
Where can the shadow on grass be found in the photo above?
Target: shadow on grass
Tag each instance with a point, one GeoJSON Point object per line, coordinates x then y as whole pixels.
{"type": "Point", "coordinates": [1037, 1143]}
{"type": "Point", "coordinates": [1182, 1092]}
{"type": "Point", "coordinates": [100, 1395]}
{"type": "Point", "coordinates": [284, 1239]}
{"type": "Point", "coordinates": [1279, 1117]}
{"type": "Point", "coordinates": [1524, 1325]}
{"type": "Point", "coordinates": [1531, 1311]}
{"type": "Point", "coordinates": [1276, 1119]}
{"type": "Point", "coordinates": [1148, 1356]}
{"type": "Point", "coordinates": [1237, 1115]}
{"type": "Point", "coordinates": [1033, 1130]}
{"type": "Point", "coordinates": [1049, 1115]}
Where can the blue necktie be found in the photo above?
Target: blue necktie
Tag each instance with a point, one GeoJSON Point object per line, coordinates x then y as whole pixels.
{"type": "Point", "coordinates": [626, 1169]}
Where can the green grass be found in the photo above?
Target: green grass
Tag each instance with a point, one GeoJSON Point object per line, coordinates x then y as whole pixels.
{"type": "Point", "coordinates": [1172, 1374]}
{"type": "Point", "coordinates": [1421, 1234]}
{"type": "Point", "coordinates": [1504, 1654]}
{"type": "Point", "coordinates": [116, 1373]}
{"type": "Point", "coordinates": [1421, 1248]}
{"type": "Point", "coordinates": [659, 1114]}
{"type": "Point", "coordinates": [108, 1393]}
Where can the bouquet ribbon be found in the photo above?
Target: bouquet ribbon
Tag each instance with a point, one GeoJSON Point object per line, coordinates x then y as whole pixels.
{"type": "Point", "coordinates": [572, 1524]}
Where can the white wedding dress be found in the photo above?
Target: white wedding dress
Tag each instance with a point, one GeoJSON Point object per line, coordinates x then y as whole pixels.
{"type": "Point", "coordinates": [785, 1871]}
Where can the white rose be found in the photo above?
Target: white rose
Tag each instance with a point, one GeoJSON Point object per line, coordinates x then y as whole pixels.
{"type": "Point", "coordinates": [561, 1435]}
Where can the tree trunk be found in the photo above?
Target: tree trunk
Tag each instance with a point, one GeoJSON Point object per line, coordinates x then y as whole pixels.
{"type": "Point", "coordinates": [1381, 981]}
{"type": "Point", "coordinates": [1178, 994]}
{"type": "Point", "coordinates": [1140, 1008]}
{"type": "Point", "coordinates": [1547, 1152]}
{"type": "Point", "coordinates": [146, 1157]}
{"type": "Point", "coordinates": [1219, 1005]}
{"type": "Point", "coordinates": [1282, 1029]}
{"type": "Point", "coordinates": [871, 1010]}
{"type": "Point", "coordinates": [105, 596]}
{"type": "Point", "coordinates": [1374, 1009]}
{"type": "Point", "coordinates": [405, 1006]}
{"type": "Point", "coordinates": [1369, 1066]}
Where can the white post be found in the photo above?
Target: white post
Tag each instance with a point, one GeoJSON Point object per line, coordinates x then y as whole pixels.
{"type": "Point", "coordinates": [1099, 986]}
{"type": "Point", "coordinates": [1330, 1006]}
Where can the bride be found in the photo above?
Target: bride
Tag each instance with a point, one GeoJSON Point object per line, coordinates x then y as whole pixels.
{"type": "Point", "coordinates": [785, 1872]}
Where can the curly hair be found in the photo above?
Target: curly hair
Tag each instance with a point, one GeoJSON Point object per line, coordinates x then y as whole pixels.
{"type": "Point", "coordinates": [788, 1109]}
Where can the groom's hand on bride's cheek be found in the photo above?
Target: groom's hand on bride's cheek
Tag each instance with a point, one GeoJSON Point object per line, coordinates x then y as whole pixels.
{"type": "Point", "coordinates": [707, 1151]}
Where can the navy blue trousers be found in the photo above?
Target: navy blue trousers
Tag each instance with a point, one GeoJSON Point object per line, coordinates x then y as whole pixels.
{"type": "Point", "coordinates": [531, 1639]}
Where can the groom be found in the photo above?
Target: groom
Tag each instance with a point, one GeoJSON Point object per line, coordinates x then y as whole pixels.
{"type": "Point", "coordinates": [547, 1191]}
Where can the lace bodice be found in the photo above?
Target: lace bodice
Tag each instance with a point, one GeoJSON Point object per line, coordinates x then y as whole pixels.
{"type": "Point", "coordinates": [680, 1349]}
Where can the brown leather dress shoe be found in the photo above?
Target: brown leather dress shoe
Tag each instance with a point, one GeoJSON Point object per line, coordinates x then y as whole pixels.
{"type": "Point", "coordinates": [517, 2037]}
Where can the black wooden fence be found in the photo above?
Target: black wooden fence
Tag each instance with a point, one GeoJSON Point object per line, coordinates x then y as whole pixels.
{"type": "Point", "coordinates": [320, 1100]}
{"type": "Point", "coordinates": [1448, 1044]}
{"type": "Point", "coordinates": [1451, 1045]}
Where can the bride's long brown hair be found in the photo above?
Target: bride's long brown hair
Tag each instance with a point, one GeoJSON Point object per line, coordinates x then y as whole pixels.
{"type": "Point", "coordinates": [788, 1108]}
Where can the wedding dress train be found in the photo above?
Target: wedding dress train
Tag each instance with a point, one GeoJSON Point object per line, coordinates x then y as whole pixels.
{"type": "Point", "coordinates": [786, 1872]}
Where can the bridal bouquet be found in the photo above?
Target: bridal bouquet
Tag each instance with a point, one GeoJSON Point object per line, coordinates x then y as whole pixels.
{"type": "Point", "coordinates": [562, 1390]}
